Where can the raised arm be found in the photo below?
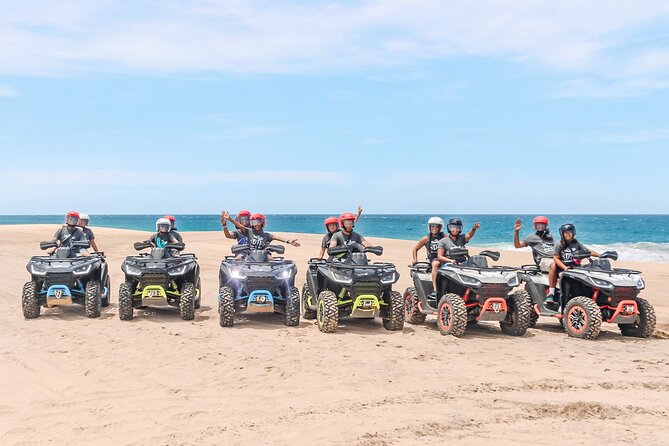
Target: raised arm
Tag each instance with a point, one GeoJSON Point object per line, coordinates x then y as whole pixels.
{"type": "Point", "coordinates": [225, 217]}
{"type": "Point", "coordinates": [469, 236]}
{"type": "Point", "coordinates": [516, 235]}
{"type": "Point", "coordinates": [359, 213]}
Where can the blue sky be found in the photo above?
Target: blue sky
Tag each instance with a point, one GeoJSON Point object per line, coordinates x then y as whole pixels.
{"type": "Point", "coordinates": [290, 107]}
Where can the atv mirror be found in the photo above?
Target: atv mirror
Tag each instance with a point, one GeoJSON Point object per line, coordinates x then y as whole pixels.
{"type": "Point", "coordinates": [46, 245]}
{"type": "Point", "coordinates": [613, 255]}
{"type": "Point", "coordinates": [177, 246]}
{"type": "Point", "coordinates": [457, 252]}
{"type": "Point", "coordinates": [278, 249]}
{"type": "Point", "coordinates": [238, 249]}
{"type": "Point", "coordinates": [494, 255]}
{"type": "Point", "coordinates": [141, 245]}
{"type": "Point", "coordinates": [378, 250]}
{"type": "Point", "coordinates": [83, 244]}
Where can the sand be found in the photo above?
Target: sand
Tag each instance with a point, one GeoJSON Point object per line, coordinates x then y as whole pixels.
{"type": "Point", "coordinates": [66, 379]}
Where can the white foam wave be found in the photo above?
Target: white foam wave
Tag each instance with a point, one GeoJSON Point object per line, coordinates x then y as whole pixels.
{"type": "Point", "coordinates": [638, 252]}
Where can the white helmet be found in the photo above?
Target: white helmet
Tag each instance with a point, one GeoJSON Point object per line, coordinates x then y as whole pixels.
{"type": "Point", "coordinates": [163, 221]}
{"type": "Point", "coordinates": [83, 216]}
{"type": "Point", "coordinates": [435, 221]}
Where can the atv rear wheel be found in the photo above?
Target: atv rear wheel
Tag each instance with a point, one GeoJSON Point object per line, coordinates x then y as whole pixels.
{"type": "Point", "coordinates": [645, 326]}
{"type": "Point", "coordinates": [31, 308]}
{"type": "Point", "coordinates": [187, 301]}
{"type": "Point", "coordinates": [412, 313]}
{"type": "Point", "coordinates": [226, 307]}
{"type": "Point", "coordinates": [107, 299]}
{"type": "Point", "coordinates": [307, 312]}
{"type": "Point", "coordinates": [93, 299]}
{"type": "Point", "coordinates": [395, 316]}
{"type": "Point", "coordinates": [452, 315]}
{"type": "Point", "coordinates": [582, 318]}
{"type": "Point", "coordinates": [534, 317]}
{"type": "Point", "coordinates": [198, 298]}
{"type": "Point", "coordinates": [327, 313]}
{"type": "Point", "coordinates": [518, 314]}
{"type": "Point", "coordinates": [291, 317]}
{"type": "Point", "coordinates": [125, 310]}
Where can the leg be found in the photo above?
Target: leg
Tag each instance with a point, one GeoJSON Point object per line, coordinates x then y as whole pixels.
{"type": "Point", "coordinates": [435, 267]}
{"type": "Point", "coordinates": [552, 275]}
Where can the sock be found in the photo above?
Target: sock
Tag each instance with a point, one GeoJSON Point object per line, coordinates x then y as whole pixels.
{"type": "Point", "coordinates": [551, 291]}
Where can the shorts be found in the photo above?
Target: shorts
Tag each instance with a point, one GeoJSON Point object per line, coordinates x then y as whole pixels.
{"type": "Point", "coordinates": [545, 264]}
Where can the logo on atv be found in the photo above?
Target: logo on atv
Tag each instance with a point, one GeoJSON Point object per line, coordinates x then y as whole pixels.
{"type": "Point", "coordinates": [153, 293]}
{"type": "Point", "coordinates": [496, 307]}
{"type": "Point", "coordinates": [58, 294]}
{"type": "Point", "coordinates": [366, 304]}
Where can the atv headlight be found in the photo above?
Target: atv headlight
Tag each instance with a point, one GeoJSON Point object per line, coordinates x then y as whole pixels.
{"type": "Point", "coordinates": [389, 278]}
{"type": "Point", "coordinates": [285, 274]}
{"type": "Point", "coordinates": [83, 270]}
{"type": "Point", "coordinates": [640, 284]}
{"type": "Point", "coordinates": [37, 270]}
{"type": "Point", "coordinates": [342, 278]}
{"type": "Point", "coordinates": [177, 270]}
{"type": "Point", "coordinates": [514, 281]}
{"type": "Point", "coordinates": [605, 284]}
{"type": "Point", "coordinates": [132, 270]}
{"type": "Point", "coordinates": [236, 274]}
{"type": "Point", "coordinates": [470, 281]}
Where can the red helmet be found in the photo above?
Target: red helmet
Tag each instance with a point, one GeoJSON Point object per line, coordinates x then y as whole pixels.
{"type": "Point", "coordinates": [331, 221]}
{"type": "Point", "coordinates": [540, 219]}
{"type": "Point", "coordinates": [346, 216]}
{"type": "Point", "coordinates": [244, 213]}
{"type": "Point", "coordinates": [170, 218]}
{"type": "Point", "coordinates": [258, 217]}
{"type": "Point", "coordinates": [73, 214]}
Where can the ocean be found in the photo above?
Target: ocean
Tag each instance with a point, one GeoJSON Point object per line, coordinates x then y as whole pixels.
{"type": "Point", "coordinates": [635, 237]}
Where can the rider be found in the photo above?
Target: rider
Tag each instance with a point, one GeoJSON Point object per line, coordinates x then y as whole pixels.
{"type": "Point", "coordinates": [564, 257]}
{"type": "Point", "coordinates": [332, 226]}
{"type": "Point", "coordinates": [541, 242]}
{"type": "Point", "coordinates": [435, 226]}
{"type": "Point", "coordinates": [257, 237]}
{"type": "Point", "coordinates": [173, 230]}
{"type": "Point", "coordinates": [163, 235]}
{"type": "Point", "coordinates": [243, 217]}
{"type": "Point", "coordinates": [84, 220]}
{"type": "Point", "coordinates": [455, 239]}
{"type": "Point", "coordinates": [347, 236]}
{"type": "Point", "coordinates": [69, 233]}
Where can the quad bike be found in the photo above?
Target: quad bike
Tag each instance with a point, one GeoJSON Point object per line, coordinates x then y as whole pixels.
{"type": "Point", "coordinates": [160, 278]}
{"type": "Point", "coordinates": [252, 281]}
{"type": "Point", "coordinates": [468, 292]}
{"type": "Point", "coordinates": [65, 278]}
{"type": "Point", "coordinates": [591, 294]}
{"type": "Point", "coordinates": [352, 287]}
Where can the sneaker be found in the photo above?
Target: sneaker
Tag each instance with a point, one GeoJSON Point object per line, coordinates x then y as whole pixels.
{"type": "Point", "coordinates": [432, 295]}
{"type": "Point", "coordinates": [550, 299]}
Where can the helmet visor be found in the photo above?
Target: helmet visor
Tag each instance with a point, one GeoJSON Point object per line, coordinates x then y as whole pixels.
{"type": "Point", "coordinates": [348, 224]}
{"type": "Point", "coordinates": [71, 220]}
{"type": "Point", "coordinates": [164, 227]}
{"type": "Point", "coordinates": [540, 227]}
{"type": "Point", "coordinates": [257, 221]}
{"type": "Point", "coordinates": [243, 220]}
{"type": "Point", "coordinates": [455, 228]}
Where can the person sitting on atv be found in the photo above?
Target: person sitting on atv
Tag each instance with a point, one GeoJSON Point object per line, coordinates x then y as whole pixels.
{"type": "Point", "coordinates": [332, 225]}
{"type": "Point", "coordinates": [455, 239]}
{"type": "Point", "coordinates": [243, 217]}
{"type": "Point", "coordinates": [69, 233]}
{"type": "Point", "coordinates": [347, 236]}
{"type": "Point", "coordinates": [173, 230]}
{"type": "Point", "coordinates": [541, 242]}
{"type": "Point", "coordinates": [163, 235]}
{"type": "Point", "coordinates": [564, 257]}
{"type": "Point", "coordinates": [84, 220]}
{"type": "Point", "coordinates": [257, 237]}
{"type": "Point", "coordinates": [435, 226]}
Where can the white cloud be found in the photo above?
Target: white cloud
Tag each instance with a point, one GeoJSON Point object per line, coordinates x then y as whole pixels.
{"type": "Point", "coordinates": [7, 91]}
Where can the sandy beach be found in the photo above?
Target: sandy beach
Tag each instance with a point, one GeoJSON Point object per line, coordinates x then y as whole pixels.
{"type": "Point", "coordinates": [157, 379]}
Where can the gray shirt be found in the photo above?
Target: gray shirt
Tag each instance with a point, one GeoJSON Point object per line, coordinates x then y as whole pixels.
{"type": "Point", "coordinates": [542, 247]}
{"type": "Point", "coordinates": [88, 233]}
{"type": "Point", "coordinates": [448, 243]}
{"type": "Point", "coordinates": [258, 240]}
{"type": "Point", "coordinates": [66, 238]}
{"type": "Point", "coordinates": [342, 239]}
{"type": "Point", "coordinates": [566, 254]}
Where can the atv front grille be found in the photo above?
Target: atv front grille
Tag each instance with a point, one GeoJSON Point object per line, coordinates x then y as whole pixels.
{"type": "Point", "coordinates": [153, 279]}
{"type": "Point", "coordinates": [260, 283]}
{"type": "Point", "coordinates": [59, 279]}
{"type": "Point", "coordinates": [625, 293]}
{"type": "Point", "coordinates": [360, 288]}
{"type": "Point", "coordinates": [493, 290]}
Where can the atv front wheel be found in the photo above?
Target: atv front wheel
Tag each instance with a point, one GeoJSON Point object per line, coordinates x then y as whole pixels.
{"type": "Point", "coordinates": [93, 299]}
{"type": "Point", "coordinates": [107, 299]}
{"type": "Point", "coordinates": [518, 314]}
{"type": "Point", "coordinates": [452, 315]}
{"type": "Point", "coordinates": [187, 301]}
{"type": "Point", "coordinates": [198, 299]}
{"type": "Point", "coordinates": [31, 308]}
{"type": "Point", "coordinates": [291, 317]}
{"type": "Point", "coordinates": [645, 326]}
{"type": "Point", "coordinates": [125, 310]}
{"type": "Point", "coordinates": [327, 313]}
{"type": "Point", "coordinates": [582, 318]}
{"type": "Point", "coordinates": [412, 313]}
{"type": "Point", "coordinates": [395, 316]}
{"type": "Point", "coordinates": [226, 307]}
{"type": "Point", "coordinates": [307, 312]}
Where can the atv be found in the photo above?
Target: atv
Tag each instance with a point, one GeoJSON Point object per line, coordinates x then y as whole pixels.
{"type": "Point", "coordinates": [352, 287]}
{"type": "Point", "coordinates": [251, 281]}
{"type": "Point", "coordinates": [160, 278]}
{"type": "Point", "coordinates": [65, 278]}
{"type": "Point", "coordinates": [591, 294]}
{"type": "Point", "coordinates": [471, 291]}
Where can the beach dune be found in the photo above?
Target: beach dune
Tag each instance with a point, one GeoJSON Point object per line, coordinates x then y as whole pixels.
{"type": "Point", "coordinates": [66, 379]}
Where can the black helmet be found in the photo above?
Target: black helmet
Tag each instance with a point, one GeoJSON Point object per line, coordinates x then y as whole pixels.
{"type": "Point", "coordinates": [454, 223]}
{"type": "Point", "coordinates": [568, 228]}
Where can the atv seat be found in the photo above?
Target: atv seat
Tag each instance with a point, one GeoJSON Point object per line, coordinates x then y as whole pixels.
{"type": "Point", "coordinates": [601, 265]}
{"type": "Point", "coordinates": [476, 262]}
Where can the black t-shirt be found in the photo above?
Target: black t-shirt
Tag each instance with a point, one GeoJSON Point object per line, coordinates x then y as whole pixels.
{"type": "Point", "coordinates": [67, 237]}
{"type": "Point", "coordinates": [258, 240]}
{"type": "Point", "coordinates": [567, 253]}
{"type": "Point", "coordinates": [241, 238]}
{"type": "Point", "coordinates": [177, 236]}
{"type": "Point", "coordinates": [432, 245]}
{"type": "Point", "coordinates": [326, 239]}
{"type": "Point", "coordinates": [88, 233]}
{"type": "Point", "coordinates": [343, 239]}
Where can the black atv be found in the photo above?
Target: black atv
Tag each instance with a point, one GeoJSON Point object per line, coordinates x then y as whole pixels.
{"type": "Point", "coordinates": [352, 287]}
{"type": "Point", "coordinates": [159, 278]}
{"type": "Point", "coordinates": [591, 294]}
{"type": "Point", "coordinates": [251, 281]}
{"type": "Point", "coordinates": [65, 278]}
{"type": "Point", "coordinates": [468, 292]}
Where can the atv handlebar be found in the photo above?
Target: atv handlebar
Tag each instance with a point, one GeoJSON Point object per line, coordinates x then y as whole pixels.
{"type": "Point", "coordinates": [144, 245]}
{"type": "Point", "coordinates": [494, 255]}
{"type": "Point", "coordinates": [46, 245]}
{"type": "Point", "coordinates": [355, 247]}
{"type": "Point", "coordinates": [277, 249]}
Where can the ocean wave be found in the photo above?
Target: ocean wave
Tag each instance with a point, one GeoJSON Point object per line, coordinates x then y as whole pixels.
{"type": "Point", "coordinates": [639, 252]}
